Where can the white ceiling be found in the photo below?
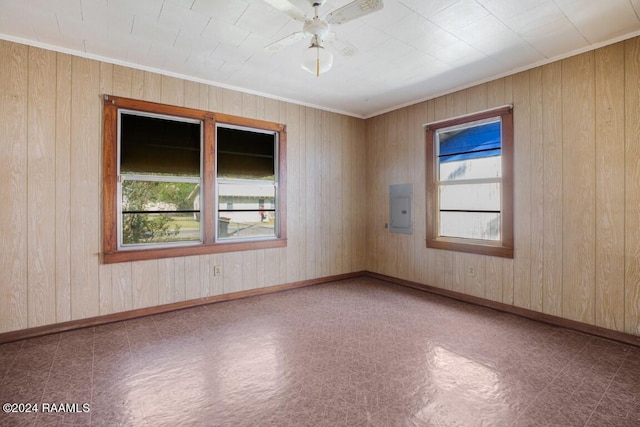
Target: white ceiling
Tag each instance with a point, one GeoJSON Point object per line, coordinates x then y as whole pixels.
{"type": "Point", "coordinates": [409, 51]}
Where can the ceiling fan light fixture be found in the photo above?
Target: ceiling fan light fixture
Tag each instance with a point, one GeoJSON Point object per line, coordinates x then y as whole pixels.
{"type": "Point", "coordinates": [317, 60]}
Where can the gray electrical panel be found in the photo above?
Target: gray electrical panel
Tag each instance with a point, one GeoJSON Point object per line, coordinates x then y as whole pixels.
{"type": "Point", "coordinates": [400, 198]}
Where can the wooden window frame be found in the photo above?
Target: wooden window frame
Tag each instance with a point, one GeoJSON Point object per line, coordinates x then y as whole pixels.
{"type": "Point", "coordinates": [208, 245]}
{"type": "Point", "coordinates": [502, 248]}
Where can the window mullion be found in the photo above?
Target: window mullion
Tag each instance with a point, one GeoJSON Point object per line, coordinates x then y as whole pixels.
{"type": "Point", "coordinates": [209, 190]}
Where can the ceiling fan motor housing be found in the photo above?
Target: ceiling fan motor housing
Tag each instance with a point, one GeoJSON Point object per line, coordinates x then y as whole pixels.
{"type": "Point", "coordinates": [316, 27]}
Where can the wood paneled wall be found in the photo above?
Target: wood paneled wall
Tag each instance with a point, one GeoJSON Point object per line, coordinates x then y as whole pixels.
{"type": "Point", "coordinates": [50, 201]}
{"type": "Point", "coordinates": [577, 191]}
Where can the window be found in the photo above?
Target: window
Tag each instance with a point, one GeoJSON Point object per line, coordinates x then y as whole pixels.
{"type": "Point", "coordinates": [181, 182]}
{"type": "Point", "coordinates": [246, 182]}
{"type": "Point", "coordinates": [160, 179]}
{"type": "Point", "coordinates": [470, 183]}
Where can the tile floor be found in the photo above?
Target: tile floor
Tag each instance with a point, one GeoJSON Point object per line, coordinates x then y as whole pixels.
{"type": "Point", "coordinates": [360, 352]}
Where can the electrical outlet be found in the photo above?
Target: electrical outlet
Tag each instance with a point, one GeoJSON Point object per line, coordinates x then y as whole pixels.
{"type": "Point", "coordinates": [472, 271]}
{"type": "Point", "coordinates": [217, 270]}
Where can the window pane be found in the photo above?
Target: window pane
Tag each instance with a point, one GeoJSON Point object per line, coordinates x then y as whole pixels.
{"type": "Point", "coordinates": [470, 197]}
{"type": "Point", "coordinates": [243, 154]}
{"type": "Point", "coordinates": [482, 167]}
{"type": "Point", "coordinates": [470, 225]}
{"type": "Point", "coordinates": [243, 224]}
{"type": "Point", "coordinates": [470, 152]}
{"type": "Point", "coordinates": [159, 146]}
{"type": "Point", "coordinates": [140, 228]}
{"type": "Point", "coordinates": [156, 212]}
{"type": "Point", "coordinates": [153, 196]}
{"type": "Point", "coordinates": [246, 209]}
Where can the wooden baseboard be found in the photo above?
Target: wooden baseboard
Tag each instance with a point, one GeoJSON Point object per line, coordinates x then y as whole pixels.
{"type": "Point", "coordinates": [523, 312]}
{"type": "Point", "coordinates": [132, 314]}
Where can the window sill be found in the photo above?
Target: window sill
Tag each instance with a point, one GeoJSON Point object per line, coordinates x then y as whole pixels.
{"type": "Point", "coordinates": [182, 251]}
{"type": "Point", "coordinates": [479, 247]}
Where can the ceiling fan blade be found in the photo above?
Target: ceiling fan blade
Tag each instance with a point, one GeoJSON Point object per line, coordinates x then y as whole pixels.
{"type": "Point", "coordinates": [287, 8]}
{"type": "Point", "coordinates": [287, 41]}
{"type": "Point", "coordinates": [354, 10]}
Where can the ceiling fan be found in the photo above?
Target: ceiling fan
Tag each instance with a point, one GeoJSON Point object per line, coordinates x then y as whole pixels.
{"type": "Point", "coordinates": [317, 59]}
